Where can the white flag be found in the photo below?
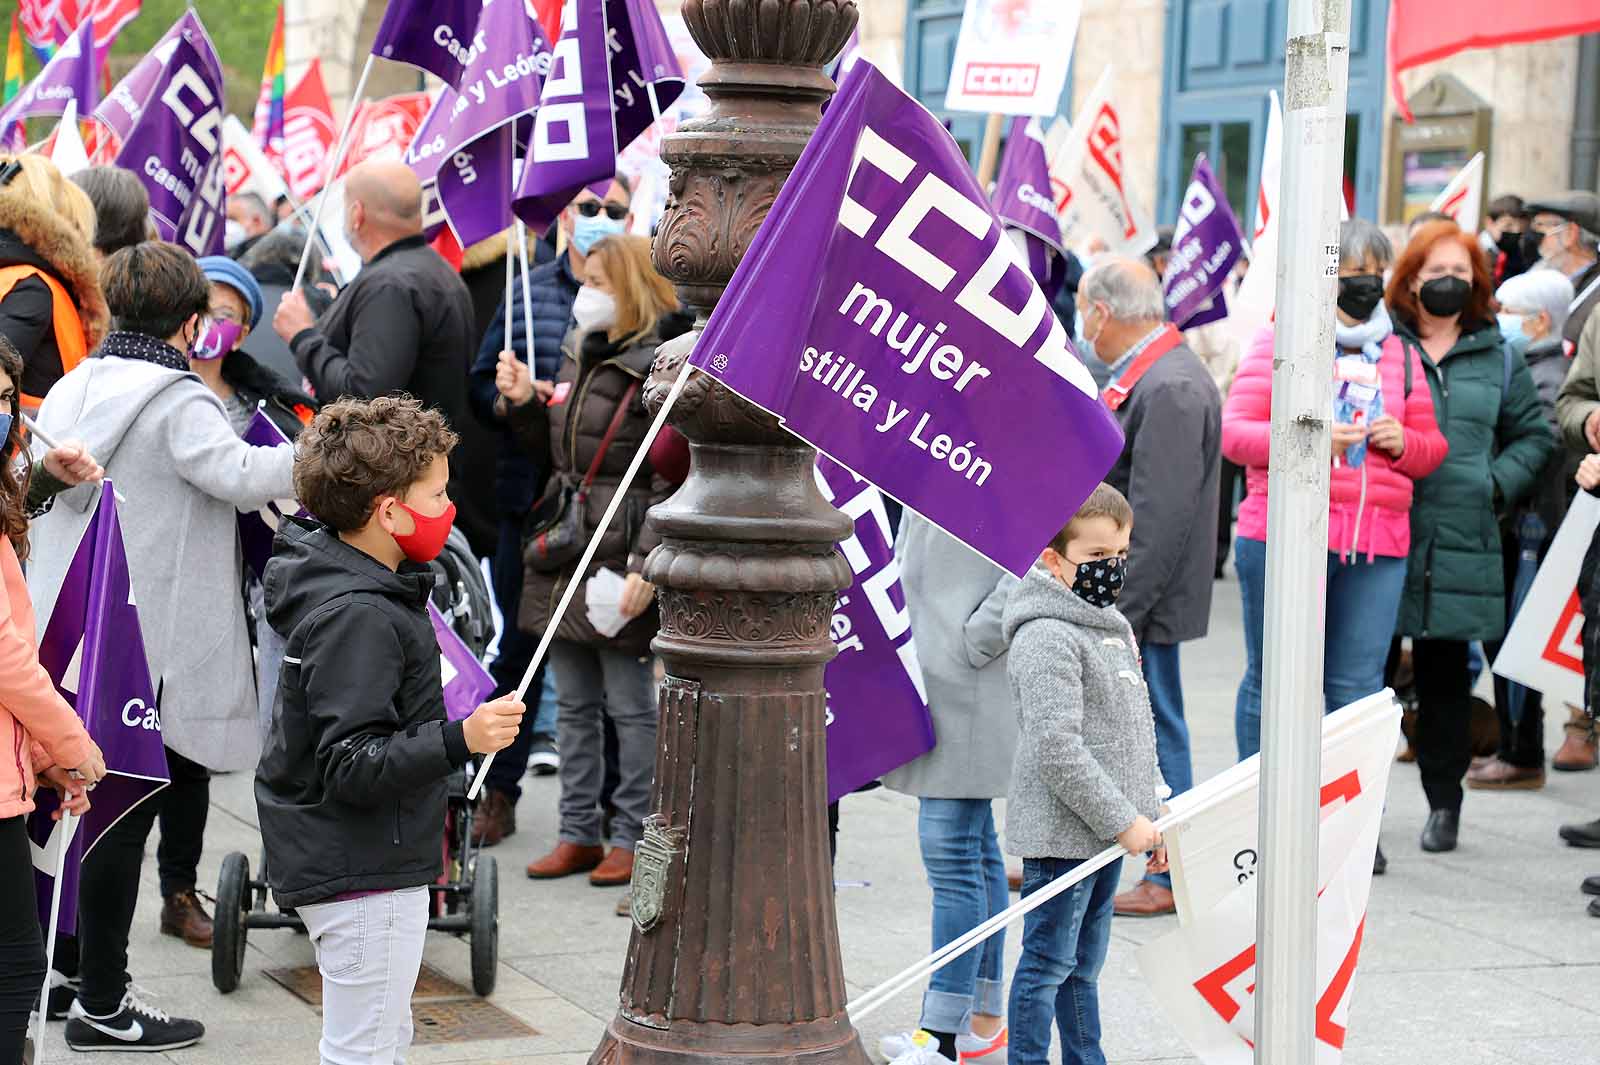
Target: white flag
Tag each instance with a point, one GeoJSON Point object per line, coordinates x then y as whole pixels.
{"type": "Point", "coordinates": [68, 152]}
{"type": "Point", "coordinates": [1251, 306]}
{"type": "Point", "coordinates": [1544, 649]}
{"type": "Point", "coordinates": [1203, 973]}
{"type": "Point", "coordinates": [1462, 199]}
{"type": "Point", "coordinates": [245, 167]}
{"type": "Point", "coordinates": [1088, 178]}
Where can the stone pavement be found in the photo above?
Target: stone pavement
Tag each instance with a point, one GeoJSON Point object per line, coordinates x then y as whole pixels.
{"type": "Point", "coordinates": [1481, 957]}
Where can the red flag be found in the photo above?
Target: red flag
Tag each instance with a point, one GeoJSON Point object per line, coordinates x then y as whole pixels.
{"type": "Point", "coordinates": [1419, 33]}
{"type": "Point", "coordinates": [384, 128]}
{"type": "Point", "coordinates": [548, 12]}
{"type": "Point", "coordinates": [309, 133]}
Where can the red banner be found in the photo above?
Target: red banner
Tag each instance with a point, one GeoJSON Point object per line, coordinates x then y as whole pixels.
{"type": "Point", "coordinates": [308, 133]}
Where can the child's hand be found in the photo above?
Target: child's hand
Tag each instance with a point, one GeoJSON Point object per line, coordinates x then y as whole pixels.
{"type": "Point", "coordinates": [1141, 836]}
{"type": "Point", "coordinates": [493, 725]}
{"type": "Point", "coordinates": [1157, 862]}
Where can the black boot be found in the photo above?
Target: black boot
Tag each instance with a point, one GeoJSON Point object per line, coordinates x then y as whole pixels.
{"type": "Point", "coordinates": [1591, 886]}
{"type": "Point", "coordinates": [1583, 835]}
{"type": "Point", "coordinates": [1439, 834]}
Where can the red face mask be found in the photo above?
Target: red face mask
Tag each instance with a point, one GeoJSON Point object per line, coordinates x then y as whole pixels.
{"type": "Point", "coordinates": [424, 543]}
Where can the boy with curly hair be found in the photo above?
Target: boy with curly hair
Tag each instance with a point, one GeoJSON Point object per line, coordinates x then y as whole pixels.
{"type": "Point", "coordinates": [351, 787]}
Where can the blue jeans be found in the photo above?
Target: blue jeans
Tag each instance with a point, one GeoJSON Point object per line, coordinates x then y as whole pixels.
{"type": "Point", "coordinates": [1064, 946]}
{"type": "Point", "coordinates": [1363, 603]}
{"type": "Point", "coordinates": [968, 876]}
{"type": "Point", "coordinates": [1162, 676]}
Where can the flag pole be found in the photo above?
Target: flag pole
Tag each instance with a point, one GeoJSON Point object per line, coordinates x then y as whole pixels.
{"type": "Point", "coordinates": [50, 442]}
{"type": "Point", "coordinates": [68, 827]}
{"type": "Point", "coordinates": [1314, 101]}
{"type": "Point", "coordinates": [589, 553]}
{"type": "Point", "coordinates": [989, 157]}
{"type": "Point", "coordinates": [521, 229]}
{"type": "Point", "coordinates": [333, 170]}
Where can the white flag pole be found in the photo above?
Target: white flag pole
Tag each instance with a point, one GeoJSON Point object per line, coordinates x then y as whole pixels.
{"type": "Point", "coordinates": [589, 553]}
{"type": "Point", "coordinates": [527, 294]}
{"type": "Point", "coordinates": [68, 827]}
{"type": "Point", "coordinates": [1314, 100]}
{"type": "Point", "coordinates": [333, 170]}
{"type": "Point", "coordinates": [50, 442]}
{"type": "Point", "coordinates": [511, 252]}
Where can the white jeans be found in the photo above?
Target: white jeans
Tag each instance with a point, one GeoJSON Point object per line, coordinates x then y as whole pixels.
{"type": "Point", "coordinates": [369, 950]}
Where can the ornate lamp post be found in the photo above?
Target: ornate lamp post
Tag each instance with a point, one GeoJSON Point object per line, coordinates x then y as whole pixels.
{"type": "Point", "coordinates": [735, 949]}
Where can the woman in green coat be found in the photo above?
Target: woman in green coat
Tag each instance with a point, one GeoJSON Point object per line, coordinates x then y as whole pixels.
{"type": "Point", "coordinates": [1442, 300]}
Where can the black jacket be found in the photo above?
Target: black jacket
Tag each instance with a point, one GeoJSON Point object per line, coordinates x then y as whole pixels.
{"type": "Point", "coordinates": [289, 408]}
{"type": "Point", "coordinates": [351, 786]}
{"type": "Point", "coordinates": [32, 235]}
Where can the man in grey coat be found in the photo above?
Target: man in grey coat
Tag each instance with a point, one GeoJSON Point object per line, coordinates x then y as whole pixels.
{"type": "Point", "coordinates": [957, 601]}
{"type": "Point", "coordinates": [1171, 416]}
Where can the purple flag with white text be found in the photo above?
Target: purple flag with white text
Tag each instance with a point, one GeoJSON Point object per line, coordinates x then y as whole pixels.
{"type": "Point", "coordinates": [879, 315]}
{"type": "Point", "coordinates": [94, 651]}
{"type": "Point", "coordinates": [1205, 247]}
{"type": "Point", "coordinates": [612, 70]}
{"type": "Point", "coordinates": [1023, 201]}
{"type": "Point", "coordinates": [71, 74]}
{"type": "Point", "coordinates": [877, 716]}
{"type": "Point", "coordinates": [175, 149]}
{"type": "Point", "coordinates": [466, 682]}
{"type": "Point", "coordinates": [256, 530]}
{"type": "Point", "coordinates": [440, 36]}
{"type": "Point", "coordinates": [122, 108]}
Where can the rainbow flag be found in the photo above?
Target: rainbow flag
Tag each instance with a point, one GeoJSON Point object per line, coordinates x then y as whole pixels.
{"type": "Point", "coordinates": [268, 128]}
{"type": "Point", "coordinates": [13, 62]}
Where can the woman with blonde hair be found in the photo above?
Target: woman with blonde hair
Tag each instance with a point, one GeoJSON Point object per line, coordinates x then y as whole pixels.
{"type": "Point", "coordinates": [51, 307]}
{"type": "Point", "coordinates": [591, 421]}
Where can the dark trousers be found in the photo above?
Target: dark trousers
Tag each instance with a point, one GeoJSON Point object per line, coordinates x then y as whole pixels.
{"type": "Point", "coordinates": [184, 806]}
{"type": "Point", "coordinates": [1443, 740]}
{"type": "Point", "coordinates": [1522, 739]}
{"type": "Point", "coordinates": [1231, 475]}
{"type": "Point", "coordinates": [516, 651]}
{"type": "Point", "coordinates": [21, 944]}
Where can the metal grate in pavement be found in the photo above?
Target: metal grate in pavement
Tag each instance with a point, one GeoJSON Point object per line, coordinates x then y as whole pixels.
{"type": "Point", "coordinates": [442, 1010]}
{"type": "Point", "coordinates": [305, 983]}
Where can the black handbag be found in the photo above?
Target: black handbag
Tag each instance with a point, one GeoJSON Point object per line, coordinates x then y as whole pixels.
{"type": "Point", "coordinates": [558, 531]}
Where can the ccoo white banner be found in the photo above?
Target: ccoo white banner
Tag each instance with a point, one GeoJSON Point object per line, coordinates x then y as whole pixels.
{"type": "Point", "coordinates": [1012, 56]}
{"type": "Point", "coordinates": [1088, 178]}
{"type": "Point", "coordinates": [1544, 649]}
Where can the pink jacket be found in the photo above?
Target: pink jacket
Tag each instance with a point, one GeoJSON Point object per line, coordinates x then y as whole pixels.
{"type": "Point", "coordinates": [37, 727]}
{"type": "Point", "coordinates": [1369, 508]}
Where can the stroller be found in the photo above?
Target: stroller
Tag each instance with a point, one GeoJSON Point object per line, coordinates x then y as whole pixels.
{"type": "Point", "coordinates": [466, 900]}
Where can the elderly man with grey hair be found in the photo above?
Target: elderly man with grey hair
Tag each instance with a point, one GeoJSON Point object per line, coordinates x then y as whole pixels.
{"type": "Point", "coordinates": [1171, 416]}
{"type": "Point", "coordinates": [1566, 233]}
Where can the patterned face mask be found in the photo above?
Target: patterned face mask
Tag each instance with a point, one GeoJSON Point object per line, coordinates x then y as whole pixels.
{"type": "Point", "coordinates": [1098, 583]}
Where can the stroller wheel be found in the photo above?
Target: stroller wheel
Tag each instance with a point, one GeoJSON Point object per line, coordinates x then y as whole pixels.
{"type": "Point", "coordinates": [233, 901]}
{"type": "Point", "coordinates": [485, 931]}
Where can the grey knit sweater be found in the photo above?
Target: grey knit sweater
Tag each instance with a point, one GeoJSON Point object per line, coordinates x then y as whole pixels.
{"type": "Point", "coordinates": [1085, 765]}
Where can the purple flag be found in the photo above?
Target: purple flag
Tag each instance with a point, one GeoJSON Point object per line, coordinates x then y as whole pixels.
{"type": "Point", "coordinates": [1023, 201]}
{"type": "Point", "coordinates": [466, 682]}
{"type": "Point", "coordinates": [175, 149]}
{"type": "Point", "coordinates": [880, 316]}
{"type": "Point", "coordinates": [1213, 310]}
{"type": "Point", "coordinates": [69, 75]}
{"type": "Point", "coordinates": [121, 110]}
{"type": "Point", "coordinates": [93, 650]}
{"type": "Point", "coordinates": [257, 530]}
{"type": "Point", "coordinates": [878, 716]}
{"type": "Point", "coordinates": [440, 36]}
{"type": "Point", "coordinates": [613, 68]}
{"type": "Point", "coordinates": [1205, 247]}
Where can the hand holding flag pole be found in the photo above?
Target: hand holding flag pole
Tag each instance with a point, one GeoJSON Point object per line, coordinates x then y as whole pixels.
{"type": "Point", "coordinates": [52, 443]}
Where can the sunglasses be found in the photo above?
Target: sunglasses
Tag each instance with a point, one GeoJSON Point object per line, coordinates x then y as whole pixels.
{"type": "Point", "coordinates": [614, 211]}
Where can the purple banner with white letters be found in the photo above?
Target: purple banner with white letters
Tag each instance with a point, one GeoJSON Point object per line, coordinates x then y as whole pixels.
{"type": "Point", "coordinates": [175, 149]}
{"type": "Point", "coordinates": [256, 531]}
{"type": "Point", "coordinates": [440, 36]}
{"type": "Point", "coordinates": [466, 682]}
{"type": "Point", "coordinates": [611, 71]}
{"type": "Point", "coordinates": [69, 75]}
{"type": "Point", "coordinates": [122, 108]}
{"type": "Point", "coordinates": [877, 715]}
{"type": "Point", "coordinates": [94, 652]}
{"type": "Point", "coordinates": [1205, 247]}
{"type": "Point", "coordinates": [1022, 195]}
{"type": "Point", "coordinates": [880, 316]}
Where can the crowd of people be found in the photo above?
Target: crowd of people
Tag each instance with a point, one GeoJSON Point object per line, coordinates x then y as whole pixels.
{"type": "Point", "coordinates": [1467, 414]}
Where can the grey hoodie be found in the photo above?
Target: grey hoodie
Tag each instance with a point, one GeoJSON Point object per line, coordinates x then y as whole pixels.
{"type": "Point", "coordinates": [165, 441]}
{"type": "Point", "coordinates": [1085, 766]}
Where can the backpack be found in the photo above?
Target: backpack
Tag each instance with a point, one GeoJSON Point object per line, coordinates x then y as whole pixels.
{"type": "Point", "coordinates": [461, 593]}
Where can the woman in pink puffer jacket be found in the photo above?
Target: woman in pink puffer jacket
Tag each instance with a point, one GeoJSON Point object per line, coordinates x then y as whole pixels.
{"type": "Point", "coordinates": [1384, 439]}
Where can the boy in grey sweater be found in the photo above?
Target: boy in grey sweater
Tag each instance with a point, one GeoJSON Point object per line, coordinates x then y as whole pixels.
{"type": "Point", "coordinates": [1085, 772]}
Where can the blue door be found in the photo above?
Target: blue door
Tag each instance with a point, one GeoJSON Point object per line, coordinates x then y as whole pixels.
{"type": "Point", "coordinates": [1222, 58]}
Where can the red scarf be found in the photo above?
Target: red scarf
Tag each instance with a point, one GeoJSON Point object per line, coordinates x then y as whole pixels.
{"type": "Point", "coordinates": [1117, 394]}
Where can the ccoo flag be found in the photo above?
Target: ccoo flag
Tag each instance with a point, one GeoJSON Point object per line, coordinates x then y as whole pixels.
{"type": "Point", "coordinates": [1205, 248]}
{"type": "Point", "coordinates": [440, 36]}
{"type": "Point", "coordinates": [257, 529]}
{"type": "Point", "coordinates": [613, 69]}
{"type": "Point", "coordinates": [880, 316]}
{"type": "Point", "coordinates": [1023, 201]}
{"type": "Point", "coordinates": [93, 650]}
{"type": "Point", "coordinates": [121, 110]}
{"type": "Point", "coordinates": [68, 76]}
{"type": "Point", "coordinates": [466, 683]}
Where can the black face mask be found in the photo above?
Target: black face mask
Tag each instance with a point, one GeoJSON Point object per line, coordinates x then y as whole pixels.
{"type": "Point", "coordinates": [1360, 294]}
{"type": "Point", "coordinates": [1445, 296]}
{"type": "Point", "coordinates": [1099, 583]}
{"type": "Point", "coordinates": [1528, 245]}
{"type": "Point", "coordinates": [1511, 243]}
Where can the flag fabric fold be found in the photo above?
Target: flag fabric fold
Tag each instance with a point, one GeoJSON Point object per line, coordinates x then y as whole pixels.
{"type": "Point", "coordinates": [268, 126]}
{"type": "Point", "coordinates": [70, 76]}
{"type": "Point", "coordinates": [309, 133]}
{"type": "Point", "coordinates": [1462, 199]}
{"type": "Point", "coordinates": [1206, 245]}
{"type": "Point", "coordinates": [14, 67]}
{"type": "Point", "coordinates": [120, 110]}
{"type": "Point", "coordinates": [1023, 201]}
{"type": "Point", "coordinates": [440, 36]}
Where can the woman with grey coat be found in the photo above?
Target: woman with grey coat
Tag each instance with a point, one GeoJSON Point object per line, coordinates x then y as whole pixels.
{"type": "Point", "coordinates": [957, 600]}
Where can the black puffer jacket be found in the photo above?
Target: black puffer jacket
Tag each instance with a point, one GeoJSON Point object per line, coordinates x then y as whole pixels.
{"type": "Point", "coordinates": [351, 786]}
{"type": "Point", "coordinates": [289, 408]}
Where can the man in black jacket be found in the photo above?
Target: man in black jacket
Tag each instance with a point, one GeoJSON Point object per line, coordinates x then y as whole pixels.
{"type": "Point", "coordinates": [1171, 416]}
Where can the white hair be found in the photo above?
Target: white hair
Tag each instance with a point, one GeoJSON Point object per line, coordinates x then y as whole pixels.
{"type": "Point", "coordinates": [1128, 287]}
{"type": "Point", "coordinates": [1538, 290]}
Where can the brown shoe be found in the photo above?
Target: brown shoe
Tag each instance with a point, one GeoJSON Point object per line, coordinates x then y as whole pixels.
{"type": "Point", "coordinates": [616, 870]}
{"type": "Point", "coordinates": [1146, 899]}
{"type": "Point", "coordinates": [1014, 881]}
{"type": "Point", "coordinates": [184, 917]}
{"type": "Point", "coordinates": [1580, 750]}
{"type": "Point", "coordinates": [494, 819]}
{"type": "Point", "coordinates": [1496, 775]}
{"type": "Point", "coordinates": [565, 860]}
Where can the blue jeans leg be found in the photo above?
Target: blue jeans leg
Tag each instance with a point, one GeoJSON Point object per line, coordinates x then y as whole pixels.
{"type": "Point", "coordinates": [1250, 562]}
{"type": "Point", "coordinates": [1172, 732]}
{"type": "Point", "coordinates": [1064, 946]}
{"type": "Point", "coordinates": [961, 855]}
{"type": "Point", "coordinates": [1363, 603]}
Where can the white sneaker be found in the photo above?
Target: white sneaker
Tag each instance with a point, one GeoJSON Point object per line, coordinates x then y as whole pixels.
{"type": "Point", "coordinates": [920, 1049]}
{"type": "Point", "coordinates": [897, 1043]}
{"type": "Point", "coordinates": [976, 1050]}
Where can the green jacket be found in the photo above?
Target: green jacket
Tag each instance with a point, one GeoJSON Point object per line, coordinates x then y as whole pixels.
{"type": "Point", "coordinates": [1499, 441]}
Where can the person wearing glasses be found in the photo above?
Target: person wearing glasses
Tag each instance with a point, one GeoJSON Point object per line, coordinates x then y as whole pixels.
{"type": "Point", "coordinates": [1565, 235]}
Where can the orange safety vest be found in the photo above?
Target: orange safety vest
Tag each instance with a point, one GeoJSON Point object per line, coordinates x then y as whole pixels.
{"type": "Point", "coordinates": [70, 341]}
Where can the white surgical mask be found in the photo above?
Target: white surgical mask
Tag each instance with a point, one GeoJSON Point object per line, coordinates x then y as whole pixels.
{"type": "Point", "coordinates": [233, 234]}
{"type": "Point", "coordinates": [594, 309]}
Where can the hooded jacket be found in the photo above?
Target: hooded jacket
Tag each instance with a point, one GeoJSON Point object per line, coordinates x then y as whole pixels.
{"type": "Point", "coordinates": [32, 235]}
{"type": "Point", "coordinates": [166, 442]}
{"type": "Point", "coordinates": [1085, 765]}
{"type": "Point", "coordinates": [351, 786]}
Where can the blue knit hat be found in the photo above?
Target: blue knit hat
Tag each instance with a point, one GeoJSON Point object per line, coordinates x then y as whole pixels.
{"type": "Point", "coordinates": [224, 271]}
